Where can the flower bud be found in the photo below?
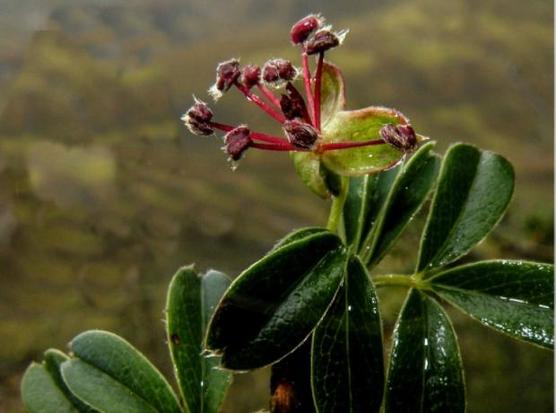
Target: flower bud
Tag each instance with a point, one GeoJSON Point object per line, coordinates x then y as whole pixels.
{"type": "Point", "coordinates": [198, 117]}
{"type": "Point", "coordinates": [401, 136]}
{"type": "Point", "coordinates": [227, 74]}
{"type": "Point", "coordinates": [293, 104]}
{"type": "Point", "coordinates": [323, 40]}
{"type": "Point", "coordinates": [277, 71]}
{"type": "Point", "coordinates": [250, 76]}
{"type": "Point", "coordinates": [237, 142]}
{"type": "Point", "coordinates": [300, 134]}
{"type": "Point", "coordinates": [301, 30]}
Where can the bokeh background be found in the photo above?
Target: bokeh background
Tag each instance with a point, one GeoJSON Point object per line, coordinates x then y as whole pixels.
{"type": "Point", "coordinates": [104, 194]}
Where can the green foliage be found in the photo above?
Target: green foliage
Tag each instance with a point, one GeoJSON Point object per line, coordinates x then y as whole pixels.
{"type": "Point", "coordinates": [406, 196]}
{"type": "Point", "coordinates": [313, 289]}
{"type": "Point", "coordinates": [41, 394]}
{"type": "Point", "coordinates": [106, 358]}
{"type": "Point", "coordinates": [191, 301]}
{"type": "Point", "coordinates": [425, 372]}
{"type": "Point", "coordinates": [333, 94]}
{"type": "Point", "coordinates": [106, 374]}
{"type": "Point", "coordinates": [474, 190]}
{"type": "Point", "coordinates": [347, 355]}
{"type": "Point", "coordinates": [514, 297]}
{"type": "Point", "coordinates": [274, 305]}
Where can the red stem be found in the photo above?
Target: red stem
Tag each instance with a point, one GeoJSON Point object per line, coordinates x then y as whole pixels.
{"type": "Point", "coordinates": [255, 135]}
{"type": "Point", "coordinates": [318, 86]}
{"type": "Point", "coordinates": [283, 147]}
{"type": "Point", "coordinates": [222, 126]}
{"type": "Point", "coordinates": [268, 138]}
{"type": "Point", "coordinates": [261, 103]}
{"type": "Point", "coordinates": [307, 82]}
{"type": "Point", "coordinates": [346, 145]}
{"type": "Point", "coordinates": [269, 95]}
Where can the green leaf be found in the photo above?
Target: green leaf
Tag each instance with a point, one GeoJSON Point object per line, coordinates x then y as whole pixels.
{"type": "Point", "coordinates": [41, 394]}
{"type": "Point", "coordinates": [409, 192]}
{"type": "Point", "coordinates": [365, 198]}
{"type": "Point", "coordinates": [425, 372]}
{"type": "Point", "coordinates": [298, 234]}
{"type": "Point", "coordinates": [332, 97]}
{"type": "Point", "coordinates": [312, 173]}
{"type": "Point", "coordinates": [361, 125]}
{"type": "Point", "coordinates": [347, 355]}
{"type": "Point", "coordinates": [190, 304]}
{"type": "Point", "coordinates": [273, 306]}
{"type": "Point", "coordinates": [513, 297]}
{"type": "Point", "coordinates": [474, 190]}
{"type": "Point", "coordinates": [290, 382]}
{"type": "Point", "coordinates": [101, 391]}
{"type": "Point", "coordinates": [116, 359]}
{"type": "Point", "coordinates": [53, 360]}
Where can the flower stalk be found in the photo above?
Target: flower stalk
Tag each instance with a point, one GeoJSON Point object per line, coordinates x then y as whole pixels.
{"type": "Point", "coordinates": [300, 116]}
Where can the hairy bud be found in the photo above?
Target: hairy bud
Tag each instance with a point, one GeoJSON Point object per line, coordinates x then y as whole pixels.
{"type": "Point", "coordinates": [293, 104]}
{"type": "Point", "coordinates": [277, 71]}
{"type": "Point", "coordinates": [324, 40]}
{"type": "Point", "coordinates": [237, 141]}
{"type": "Point", "coordinates": [300, 134]}
{"type": "Point", "coordinates": [301, 30]}
{"type": "Point", "coordinates": [197, 119]}
{"type": "Point", "coordinates": [227, 74]}
{"type": "Point", "coordinates": [250, 76]}
{"type": "Point", "coordinates": [401, 136]}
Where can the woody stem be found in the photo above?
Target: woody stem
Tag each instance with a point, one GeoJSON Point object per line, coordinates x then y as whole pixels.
{"type": "Point", "coordinates": [318, 86]}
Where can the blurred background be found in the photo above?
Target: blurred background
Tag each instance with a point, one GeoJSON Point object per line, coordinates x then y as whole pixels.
{"type": "Point", "coordinates": [104, 194]}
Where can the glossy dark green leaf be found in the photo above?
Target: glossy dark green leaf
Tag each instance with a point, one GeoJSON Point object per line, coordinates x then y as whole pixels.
{"type": "Point", "coordinates": [355, 126]}
{"type": "Point", "coordinates": [191, 301]}
{"type": "Point", "coordinates": [53, 360]}
{"type": "Point", "coordinates": [332, 92]}
{"type": "Point", "coordinates": [115, 360]}
{"type": "Point", "coordinates": [274, 305]}
{"type": "Point", "coordinates": [101, 391]}
{"type": "Point", "coordinates": [408, 193]}
{"type": "Point", "coordinates": [514, 297]}
{"type": "Point", "coordinates": [425, 372]}
{"type": "Point", "coordinates": [41, 394]}
{"type": "Point", "coordinates": [347, 355]}
{"type": "Point", "coordinates": [290, 382]}
{"type": "Point", "coordinates": [297, 235]}
{"type": "Point", "coordinates": [474, 190]}
{"type": "Point", "coordinates": [365, 198]}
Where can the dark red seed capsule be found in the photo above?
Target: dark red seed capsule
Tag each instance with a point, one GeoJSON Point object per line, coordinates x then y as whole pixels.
{"type": "Point", "coordinates": [250, 76]}
{"type": "Point", "coordinates": [200, 111]}
{"type": "Point", "coordinates": [292, 104]}
{"type": "Point", "coordinates": [276, 71]}
{"type": "Point", "coordinates": [197, 119]}
{"type": "Point", "coordinates": [402, 137]}
{"type": "Point", "coordinates": [322, 41]}
{"type": "Point", "coordinates": [237, 141]}
{"type": "Point", "coordinates": [226, 74]}
{"type": "Point", "coordinates": [300, 134]}
{"type": "Point", "coordinates": [301, 30]}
